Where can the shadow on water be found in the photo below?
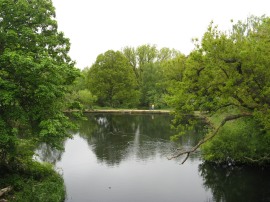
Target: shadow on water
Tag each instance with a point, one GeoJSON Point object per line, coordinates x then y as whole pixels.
{"type": "Point", "coordinates": [234, 184]}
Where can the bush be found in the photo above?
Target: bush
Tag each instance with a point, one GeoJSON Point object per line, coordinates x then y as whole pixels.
{"type": "Point", "coordinates": [37, 182]}
{"type": "Point", "coordinates": [239, 142]}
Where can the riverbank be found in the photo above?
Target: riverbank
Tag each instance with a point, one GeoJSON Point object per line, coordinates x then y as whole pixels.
{"type": "Point", "coordinates": [37, 182]}
{"type": "Point", "coordinates": [128, 111]}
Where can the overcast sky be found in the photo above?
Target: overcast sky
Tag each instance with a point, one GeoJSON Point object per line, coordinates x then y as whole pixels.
{"type": "Point", "coordinates": [95, 26]}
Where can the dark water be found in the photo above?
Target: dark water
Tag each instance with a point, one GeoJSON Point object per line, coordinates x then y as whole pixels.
{"type": "Point", "coordinates": [123, 158]}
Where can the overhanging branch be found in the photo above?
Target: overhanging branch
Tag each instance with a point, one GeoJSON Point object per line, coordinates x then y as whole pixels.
{"type": "Point", "coordinates": [208, 137]}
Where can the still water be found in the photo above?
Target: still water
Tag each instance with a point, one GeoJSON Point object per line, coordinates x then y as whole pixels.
{"type": "Point", "coordinates": [123, 158]}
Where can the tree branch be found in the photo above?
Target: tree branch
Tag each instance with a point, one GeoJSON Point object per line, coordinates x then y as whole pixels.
{"type": "Point", "coordinates": [264, 158]}
{"type": "Point", "coordinates": [224, 71]}
{"type": "Point", "coordinates": [5, 190]}
{"type": "Point", "coordinates": [224, 106]}
{"type": "Point", "coordinates": [242, 103]}
{"type": "Point", "coordinates": [199, 70]}
{"type": "Point", "coordinates": [234, 60]}
{"type": "Point", "coordinates": [208, 137]}
{"type": "Point", "coordinates": [230, 60]}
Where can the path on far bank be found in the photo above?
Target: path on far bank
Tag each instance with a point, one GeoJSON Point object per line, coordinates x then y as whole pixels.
{"type": "Point", "coordinates": [129, 111]}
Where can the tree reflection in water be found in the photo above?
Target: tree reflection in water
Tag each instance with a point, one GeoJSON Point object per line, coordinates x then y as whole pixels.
{"type": "Point", "coordinates": [234, 184]}
{"type": "Point", "coordinates": [114, 137]}
{"type": "Point", "coordinates": [46, 153]}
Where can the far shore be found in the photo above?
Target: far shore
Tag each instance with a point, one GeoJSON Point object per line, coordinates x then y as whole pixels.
{"type": "Point", "coordinates": [129, 111]}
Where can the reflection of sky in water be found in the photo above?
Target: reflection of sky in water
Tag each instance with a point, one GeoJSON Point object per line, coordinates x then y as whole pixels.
{"type": "Point", "coordinates": [123, 158]}
{"type": "Point", "coordinates": [156, 179]}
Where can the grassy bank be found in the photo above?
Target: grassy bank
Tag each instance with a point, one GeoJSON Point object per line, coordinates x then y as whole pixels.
{"type": "Point", "coordinates": [37, 182]}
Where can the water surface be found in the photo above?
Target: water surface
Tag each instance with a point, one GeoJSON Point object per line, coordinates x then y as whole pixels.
{"type": "Point", "coordinates": [123, 158]}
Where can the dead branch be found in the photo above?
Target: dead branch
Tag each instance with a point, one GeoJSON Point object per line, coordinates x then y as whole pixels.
{"type": "Point", "coordinates": [5, 190]}
{"type": "Point", "coordinates": [208, 137]}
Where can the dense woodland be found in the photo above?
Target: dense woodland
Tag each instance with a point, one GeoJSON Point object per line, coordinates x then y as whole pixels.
{"type": "Point", "coordinates": [226, 79]}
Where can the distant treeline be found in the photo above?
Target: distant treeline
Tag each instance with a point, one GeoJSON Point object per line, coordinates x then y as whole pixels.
{"type": "Point", "coordinates": [130, 78]}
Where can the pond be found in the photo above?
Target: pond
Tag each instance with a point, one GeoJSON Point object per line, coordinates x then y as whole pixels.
{"type": "Point", "coordinates": [123, 158]}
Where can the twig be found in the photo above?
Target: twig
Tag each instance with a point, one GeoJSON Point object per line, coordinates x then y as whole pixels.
{"type": "Point", "coordinates": [264, 158]}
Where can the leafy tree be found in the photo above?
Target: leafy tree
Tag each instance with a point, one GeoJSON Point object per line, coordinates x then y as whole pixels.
{"type": "Point", "coordinates": [152, 90]}
{"type": "Point", "coordinates": [80, 81]}
{"type": "Point", "coordinates": [35, 70]}
{"type": "Point", "coordinates": [111, 79]}
{"type": "Point", "coordinates": [172, 71]}
{"type": "Point", "coordinates": [139, 58]}
{"type": "Point", "coordinates": [228, 73]}
{"type": "Point", "coordinates": [130, 54]}
{"type": "Point", "coordinates": [145, 61]}
{"type": "Point", "coordinates": [80, 97]}
{"type": "Point", "coordinates": [85, 97]}
{"type": "Point", "coordinates": [165, 54]}
{"type": "Point", "coordinates": [156, 76]}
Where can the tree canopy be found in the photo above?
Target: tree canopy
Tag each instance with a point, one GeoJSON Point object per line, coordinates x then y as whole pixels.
{"type": "Point", "coordinates": [35, 70]}
{"type": "Point", "coordinates": [138, 73]}
{"type": "Point", "coordinates": [111, 79]}
{"type": "Point", "coordinates": [146, 62]}
{"type": "Point", "coordinates": [228, 73]}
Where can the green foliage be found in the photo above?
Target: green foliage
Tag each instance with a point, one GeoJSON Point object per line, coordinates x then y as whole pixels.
{"type": "Point", "coordinates": [111, 79]}
{"type": "Point", "coordinates": [80, 96]}
{"type": "Point", "coordinates": [35, 71]}
{"type": "Point", "coordinates": [86, 98]}
{"type": "Point", "coordinates": [151, 89]}
{"type": "Point", "coordinates": [146, 61]}
{"type": "Point", "coordinates": [142, 75]}
{"type": "Point", "coordinates": [81, 99]}
{"type": "Point", "coordinates": [37, 182]}
{"type": "Point", "coordinates": [239, 141]}
{"type": "Point", "coordinates": [139, 58]}
{"type": "Point", "coordinates": [173, 74]}
{"type": "Point", "coordinates": [228, 72]}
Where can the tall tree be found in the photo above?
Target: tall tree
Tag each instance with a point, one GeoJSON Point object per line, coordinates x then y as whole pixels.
{"type": "Point", "coordinates": [130, 54]}
{"type": "Point", "coordinates": [140, 57]}
{"type": "Point", "coordinates": [145, 61]}
{"type": "Point", "coordinates": [165, 54]}
{"type": "Point", "coordinates": [151, 90]}
{"type": "Point", "coordinates": [80, 97]}
{"type": "Point", "coordinates": [35, 70]}
{"type": "Point", "coordinates": [173, 70]}
{"type": "Point", "coordinates": [229, 73]}
{"type": "Point", "coordinates": [111, 79]}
